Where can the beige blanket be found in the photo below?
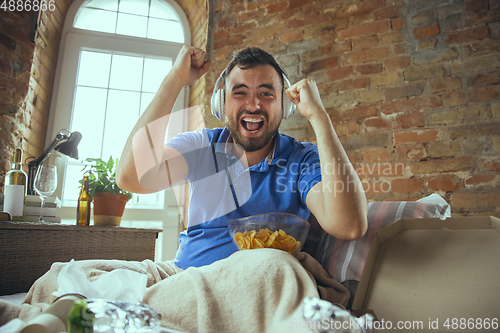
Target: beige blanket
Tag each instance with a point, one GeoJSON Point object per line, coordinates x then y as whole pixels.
{"type": "Point", "coordinates": [258, 290]}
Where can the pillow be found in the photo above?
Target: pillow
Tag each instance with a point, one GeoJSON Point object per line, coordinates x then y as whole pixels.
{"type": "Point", "coordinates": [345, 260]}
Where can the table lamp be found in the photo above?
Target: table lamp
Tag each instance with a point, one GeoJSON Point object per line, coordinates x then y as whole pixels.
{"type": "Point", "coordinates": [62, 143]}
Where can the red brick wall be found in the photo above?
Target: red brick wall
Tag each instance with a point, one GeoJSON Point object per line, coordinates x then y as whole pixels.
{"type": "Point", "coordinates": [16, 52]}
{"type": "Point", "coordinates": [413, 89]}
{"type": "Point", "coordinates": [412, 86]}
{"type": "Point", "coordinates": [24, 119]}
{"type": "Point", "coordinates": [197, 13]}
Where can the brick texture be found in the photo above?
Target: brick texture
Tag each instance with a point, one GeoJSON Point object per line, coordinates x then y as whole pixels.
{"type": "Point", "coordinates": [396, 88]}
{"type": "Point", "coordinates": [409, 82]}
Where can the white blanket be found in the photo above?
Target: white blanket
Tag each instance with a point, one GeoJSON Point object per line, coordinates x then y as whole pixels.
{"type": "Point", "coordinates": [251, 291]}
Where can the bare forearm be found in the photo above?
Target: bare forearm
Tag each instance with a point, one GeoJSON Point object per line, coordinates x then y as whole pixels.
{"type": "Point", "coordinates": [144, 152]}
{"type": "Point", "coordinates": [342, 206]}
{"type": "Point", "coordinates": [338, 202]}
{"type": "Point", "coordinates": [157, 113]}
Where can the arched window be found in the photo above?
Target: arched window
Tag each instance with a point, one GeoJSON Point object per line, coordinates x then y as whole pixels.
{"type": "Point", "coordinates": [113, 56]}
{"type": "Point", "coordinates": [153, 19]}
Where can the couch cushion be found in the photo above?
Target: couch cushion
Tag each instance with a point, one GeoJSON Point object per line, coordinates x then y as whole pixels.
{"type": "Point", "coordinates": [345, 260]}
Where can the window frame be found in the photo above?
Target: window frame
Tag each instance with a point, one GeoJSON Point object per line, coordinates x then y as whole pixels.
{"type": "Point", "coordinates": [61, 104]}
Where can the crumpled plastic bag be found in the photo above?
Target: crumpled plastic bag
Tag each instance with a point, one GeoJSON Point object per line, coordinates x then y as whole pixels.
{"type": "Point", "coordinates": [118, 285]}
{"type": "Point", "coordinates": [100, 316]}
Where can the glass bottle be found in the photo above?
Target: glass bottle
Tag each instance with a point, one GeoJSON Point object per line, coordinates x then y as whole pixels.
{"type": "Point", "coordinates": [83, 207]}
{"type": "Point", "coordinates": [15, 188]}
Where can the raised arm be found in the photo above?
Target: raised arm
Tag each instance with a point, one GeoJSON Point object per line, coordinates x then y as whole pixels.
{"type": "Point", "coordinates": [338, 202]}
{"type": "Point", "coordinates": [145, 165]}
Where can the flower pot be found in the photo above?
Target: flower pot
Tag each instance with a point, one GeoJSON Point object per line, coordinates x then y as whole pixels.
{"type": "Point", "coordinates": [107, 220]}
{"type": "Point", "coordinates": [109, 208]}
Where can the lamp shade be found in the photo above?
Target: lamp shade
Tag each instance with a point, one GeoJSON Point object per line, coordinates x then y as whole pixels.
{"type": "Point", "coordinates": [69, 147]}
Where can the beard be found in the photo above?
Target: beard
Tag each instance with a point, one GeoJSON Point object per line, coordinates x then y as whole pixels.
{"type": "Point", "coordinates": [251, 144]}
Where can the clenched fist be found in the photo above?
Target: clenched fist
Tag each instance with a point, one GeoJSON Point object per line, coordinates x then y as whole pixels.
{"type": "Point", "coordinates": [190, 65]}
{"type": "Point", "coordinates": [305, 95]}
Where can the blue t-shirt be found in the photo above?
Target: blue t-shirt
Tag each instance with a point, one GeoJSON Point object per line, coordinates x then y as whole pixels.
{"type": "Point", "coordinates": [222, 188]}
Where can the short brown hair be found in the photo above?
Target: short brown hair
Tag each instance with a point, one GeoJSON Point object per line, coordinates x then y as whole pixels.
{"type": "Point", "coordinates": [251, 57]}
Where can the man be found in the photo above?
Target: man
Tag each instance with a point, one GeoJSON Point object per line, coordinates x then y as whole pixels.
{"type": "Point", "coordinates": [244, 169]}
{"type": "Point", "coordinates": [277, 172]}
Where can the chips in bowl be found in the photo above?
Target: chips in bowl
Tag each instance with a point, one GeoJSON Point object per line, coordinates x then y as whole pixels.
{"type": "Point", "coordinates": [280, 231]}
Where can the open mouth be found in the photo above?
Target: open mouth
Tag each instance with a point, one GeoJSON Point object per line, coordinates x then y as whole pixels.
{"type": "Point", "coordinates": [252, 123]}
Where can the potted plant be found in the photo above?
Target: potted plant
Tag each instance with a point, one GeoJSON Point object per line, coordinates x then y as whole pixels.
{"type": "Point", "coordinates": [109, 200]}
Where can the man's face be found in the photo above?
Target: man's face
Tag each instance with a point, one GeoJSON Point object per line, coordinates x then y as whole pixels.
{"type": "Point", "coordinates": [253, 107]}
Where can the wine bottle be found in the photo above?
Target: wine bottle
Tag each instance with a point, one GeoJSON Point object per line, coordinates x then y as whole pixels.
{"type": "Point", "coordinates": [83, 208]}
{"type": "Point", "coordinates": [15, 188]}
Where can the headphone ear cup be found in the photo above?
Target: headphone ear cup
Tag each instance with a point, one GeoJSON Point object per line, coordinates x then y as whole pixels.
{"type": "Point", "coordinates": [216, 104]}
{"type": "Point", "coordinates": [222, 96]}
{"type": "Point", "coordinates": [288, 106]}
{"type": "Point", "coordinates": [217, 100]}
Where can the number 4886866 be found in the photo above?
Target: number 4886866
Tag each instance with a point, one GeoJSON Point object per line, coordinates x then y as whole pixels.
{"type": "Point", "coordinates": [471, 323]}
{"type": "Point", "coordinates": [28, 5]}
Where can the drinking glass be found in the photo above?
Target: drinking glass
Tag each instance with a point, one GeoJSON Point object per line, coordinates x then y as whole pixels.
{"type": "Point", "coordinates": [45, 183]}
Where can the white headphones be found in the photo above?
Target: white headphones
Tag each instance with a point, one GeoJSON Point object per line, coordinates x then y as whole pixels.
{"type": "Point", "coordinates": [218, 98]}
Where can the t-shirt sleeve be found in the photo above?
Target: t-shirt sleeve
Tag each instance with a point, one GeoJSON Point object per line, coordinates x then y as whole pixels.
{"type": "Point", "coordinates": [310, 171]}
{"type": "Point", "coordinates": [188, 144]}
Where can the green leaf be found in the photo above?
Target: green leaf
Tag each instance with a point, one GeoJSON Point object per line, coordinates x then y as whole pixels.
{"type": "Point", "coordinates": [102, 176]}
{"type": "Point", "coordinates": [109, 164]}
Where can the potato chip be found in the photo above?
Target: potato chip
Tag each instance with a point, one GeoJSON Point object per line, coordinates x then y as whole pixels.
{"type": "Point", "coordinates": [288, 242]}
{"type": "Point", "coordinates": [270, 240]}
{"type": "Point", "coordinates": [265, 238]}
{"type": "Point", "coordinates": [252, 233]}
{"type": "Point", "coordinates": [282, 234]}
{"type": "Point", "coordinates": [238, 237]}
{"type": "Point", "coordinates": [257, 243]}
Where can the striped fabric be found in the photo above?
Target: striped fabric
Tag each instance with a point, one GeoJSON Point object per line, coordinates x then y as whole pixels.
{"type": "Point", "coordinates": [345, 260]}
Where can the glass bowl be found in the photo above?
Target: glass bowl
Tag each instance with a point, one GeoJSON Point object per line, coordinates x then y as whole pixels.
{"type": "Point", "coordinates": [282, 231]}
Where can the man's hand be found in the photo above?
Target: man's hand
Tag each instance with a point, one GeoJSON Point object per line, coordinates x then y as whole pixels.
{"type": "Point", "coordinates": [341, 213]}
{"type": "Point", "coordinates": [190, 65]}
{"type": "Point", "coordinates": [305, 95]}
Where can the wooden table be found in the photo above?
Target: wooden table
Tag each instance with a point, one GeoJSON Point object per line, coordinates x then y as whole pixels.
{"type": "Point", "coordinates": [27, 250]}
